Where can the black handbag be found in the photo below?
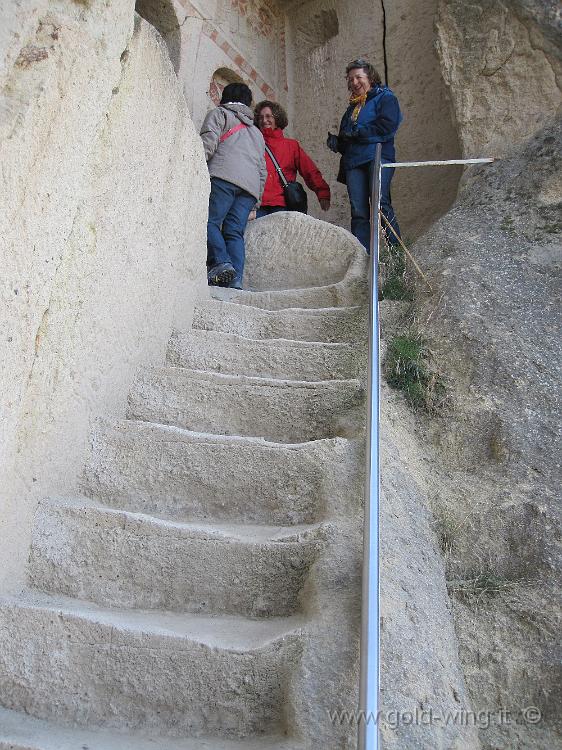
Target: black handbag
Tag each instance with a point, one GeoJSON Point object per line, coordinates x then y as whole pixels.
{"type": "Point", "coordinates": [296, 198]}
{"type": "Point", "coordinates": [342, 177]}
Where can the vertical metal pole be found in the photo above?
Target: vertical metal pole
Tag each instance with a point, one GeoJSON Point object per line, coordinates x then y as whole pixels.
{"type": "Point", "coordinates": [370, 637]}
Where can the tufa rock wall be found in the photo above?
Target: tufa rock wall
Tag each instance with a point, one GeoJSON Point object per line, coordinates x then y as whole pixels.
{"type": "Point", "coordinates": [502, 63]}
{"type": "Point", "coordinates": [493, 324]}
{"type": "Point", "coordinates": [103, 191]}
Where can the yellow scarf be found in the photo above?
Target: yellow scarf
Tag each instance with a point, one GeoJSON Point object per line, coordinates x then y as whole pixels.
{"type": "Point", "coordinates": [359, 102]}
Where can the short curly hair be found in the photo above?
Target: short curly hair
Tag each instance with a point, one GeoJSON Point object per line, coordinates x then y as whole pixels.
{"type": "Point", "coordinates": [281, 119]}
{"type": "Point", "coordinates": [372, 73]}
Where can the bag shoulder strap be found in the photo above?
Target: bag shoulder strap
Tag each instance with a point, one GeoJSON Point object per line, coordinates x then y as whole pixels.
{"type": "Point", "coordinates": [233, 130]}
{"type": "Point", "coordinates": [277, 167]}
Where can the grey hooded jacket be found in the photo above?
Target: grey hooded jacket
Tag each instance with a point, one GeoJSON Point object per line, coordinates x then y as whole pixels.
{"type": "Point", "coordinates": [240, 159]}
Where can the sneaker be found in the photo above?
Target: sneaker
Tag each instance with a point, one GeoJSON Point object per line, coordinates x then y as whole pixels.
{"type": "Point", "coordinates": [221, 274]}
{"type": "Point", "coordinates": [236, 283]}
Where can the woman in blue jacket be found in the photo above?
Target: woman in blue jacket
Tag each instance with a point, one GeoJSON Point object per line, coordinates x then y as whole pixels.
{"type": "Point", "coordinates": [373, 116]}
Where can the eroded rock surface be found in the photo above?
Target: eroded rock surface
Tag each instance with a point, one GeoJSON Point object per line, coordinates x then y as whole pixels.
{"type": "Point", "coordinates": [494, 325]}
{"type": "Point", "coordinates": [502, 62]}
{"type": "Point", "coordinates": [209, 582]}
{"type": "Point", "coordinates": [102, 235]}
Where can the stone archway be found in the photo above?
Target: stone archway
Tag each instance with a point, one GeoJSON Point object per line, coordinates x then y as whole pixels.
{"type": "Point", "coordinates": [162, 15]}
{"type": "Point", "coordinates": [221, 78]}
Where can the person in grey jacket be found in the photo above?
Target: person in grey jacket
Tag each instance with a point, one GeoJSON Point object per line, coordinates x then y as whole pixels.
{"type": "Point", "coordinates": [235, 153]}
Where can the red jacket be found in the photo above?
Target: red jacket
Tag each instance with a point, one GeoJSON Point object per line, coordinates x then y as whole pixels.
{"type": "Point", "coordinates": [292, 159]}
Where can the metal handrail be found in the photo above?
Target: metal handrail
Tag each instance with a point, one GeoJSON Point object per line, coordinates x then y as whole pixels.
{"type": "Point", "coordinates": [370, 618]}
{"type": "Point", "coordinates": [369, 688]}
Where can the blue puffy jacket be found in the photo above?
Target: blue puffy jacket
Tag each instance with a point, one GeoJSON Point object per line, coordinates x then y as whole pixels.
{"type": "Point", "coordinates": [378, 122]}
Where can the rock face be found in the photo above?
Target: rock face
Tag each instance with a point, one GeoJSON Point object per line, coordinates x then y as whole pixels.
{"type": "Point", "coordinates": [420, 668]}
{"type": "Point", "coordinates": [502, 62]}
{"type": "Point", "coordinates": [494, 324]}
{"type": "Point", "coordinates": [103, 196]}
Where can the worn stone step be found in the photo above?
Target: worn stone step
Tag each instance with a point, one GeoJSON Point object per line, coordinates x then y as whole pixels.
{"type": "Point", "coordinates": [18, 731]}
{"type": "Point", "coordinates": [279, 410]}
{"type": "Point", "coordinates": [342, 294]}
{"type": "Point", "coordinates": [123, 559]}
{"type": "Point", "coordinates": [394, 314]}
{"type": "Point", "coordinates": [183, 475]}
{"type": "Point", "coordinates": [334, 324]}
{"type": "Point", "coordinates": [160, 673]}
{"type": "Point", "coordinates": [276, 358]}
{"type": "Point", "coordinates": [290, 251]}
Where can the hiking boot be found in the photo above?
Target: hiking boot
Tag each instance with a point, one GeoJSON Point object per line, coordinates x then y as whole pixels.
{"type": "Point", "coordinates": [221, 274]}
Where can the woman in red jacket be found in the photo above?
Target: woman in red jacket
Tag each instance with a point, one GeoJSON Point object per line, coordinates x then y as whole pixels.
{"type": "Point", "coordinates": [271, 119]}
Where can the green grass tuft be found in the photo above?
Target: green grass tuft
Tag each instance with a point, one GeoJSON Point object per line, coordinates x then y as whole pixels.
{"type": "Point", "coordinates": [407, 370]}
{"type": "Point", "coordinates": [507, 225]}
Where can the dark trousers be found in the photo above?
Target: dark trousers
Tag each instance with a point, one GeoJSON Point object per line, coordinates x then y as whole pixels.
{"type": "Point", "coordinates": [268, 210]}
{"type": "Point", "coordinates": [229, 209]}
{"type": "Point", "coordinates": [359, 182]}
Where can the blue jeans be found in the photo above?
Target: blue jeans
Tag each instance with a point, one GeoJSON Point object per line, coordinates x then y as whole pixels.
{"type": "Point", "coordinates": [229, 208]}
{"type": "Point", "coordinates": [359, 182]}
{"type": "Point", "coordinates": [268, 210]}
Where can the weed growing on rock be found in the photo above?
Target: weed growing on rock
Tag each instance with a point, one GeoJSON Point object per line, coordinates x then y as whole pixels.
{"type": "Point", "coordinates": [393, 271]}
{"type": "Point", "coordinates": [407, 369]}
{"type": "Point", "coordinates": [447, 251]}
{"type": "Point", "coordinates": [507, 225]}
{"type": "Point", "coordinates": [474, 587]}
{"type": "Point", "coordinates": [446, 529]}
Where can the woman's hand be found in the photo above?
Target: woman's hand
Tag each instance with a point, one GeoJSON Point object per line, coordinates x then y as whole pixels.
{"type": "Point", "coordinates": [324, 204]}
{"type": "Point", "coordinates": [252, 215]}
{"type": "Point", "coordinates": [332, 143]}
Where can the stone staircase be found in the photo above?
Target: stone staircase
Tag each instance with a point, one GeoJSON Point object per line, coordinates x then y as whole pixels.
{"type": "Point", "coordinates": [202, 591]}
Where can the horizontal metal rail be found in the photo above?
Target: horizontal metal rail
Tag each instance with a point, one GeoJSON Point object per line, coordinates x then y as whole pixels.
{"type": "Point", "coordinates": [445, 163]}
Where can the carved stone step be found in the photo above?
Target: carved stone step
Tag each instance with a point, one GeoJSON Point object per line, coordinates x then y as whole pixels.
{"type": "Point", "coordinates": [280, 410]}
{"type": "Point", "coordinates": [276, 358]}
{"type": "Point", "coordinates": [18, 731]}
{"type": "Point", "coordinates": [290, 251]}
{"type": "Point", "coordinates": [334, 324]}
{"type": "Point", "coordinates": [342, 294]}
{"type": "Point", "coordinates": [167, 471]}
{"type": "Point", "coordinates": [160, 673]}
{"type": "Point", "coordinates": [123, 559]}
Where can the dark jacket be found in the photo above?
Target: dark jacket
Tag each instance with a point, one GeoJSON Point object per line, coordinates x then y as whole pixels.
{"type": "Point", "coordinates": [292, 158]}
{"type": "Point", "coordinates": [378, 122]}
{"type": "Point", "coordinates": [238, 159]}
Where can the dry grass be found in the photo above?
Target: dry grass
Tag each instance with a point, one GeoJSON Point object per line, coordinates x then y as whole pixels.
{"type": "Point", "coordinates": [474, 587]}
{"type": "Point", "coordinates": [407, 369]}
{"type": "Point", "coordinates": [393, 272]}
